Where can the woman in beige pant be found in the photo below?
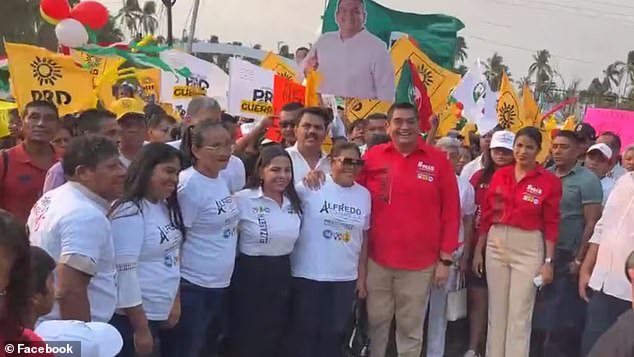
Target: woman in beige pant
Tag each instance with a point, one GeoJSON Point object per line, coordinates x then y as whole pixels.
{"type": "Point", "coordinates": [520, 215]}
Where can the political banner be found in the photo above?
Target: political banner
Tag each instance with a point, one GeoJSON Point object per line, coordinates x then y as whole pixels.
{"type": "Point", "coordinates": [150, 84]}
{"type": "Point", "coordinates": [286, 91]}
{"type": "Point", "coordinates": [620, 122]}
{"type": "Point", "coordinates": [96, 65]}
{"type": "Point", "coordinates": [357, 109]}
{"type": "Point", "coordinates": [250, 90]}
{"type": "Point", "coordinates": [205, 79]}
{"type": "Point", "coordinates": [38, 74]}
{"type": "Point", "coordinates": [510, 111]}
{"type": "Point", "coordinates": [438, 80]}
{"type": "Point", "coordinates": [278, 65]}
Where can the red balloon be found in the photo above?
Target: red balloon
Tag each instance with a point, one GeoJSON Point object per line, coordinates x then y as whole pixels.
{"type": "Point", "coordinates": [91, 14]}
{"type": "Point", "coordinates": [55, 9]}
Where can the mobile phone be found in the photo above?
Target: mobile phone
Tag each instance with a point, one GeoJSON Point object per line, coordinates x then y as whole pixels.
{"type": "Point", "coordinates": [538, 281]}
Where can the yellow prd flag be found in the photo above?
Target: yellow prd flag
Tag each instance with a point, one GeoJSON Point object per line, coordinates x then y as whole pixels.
{"type": "Point", "coordinates": [570, 123]}
{"type": "Point", "coordinates": [447, 119]}
{"type": "Point", "coordinates": [96, 65]}
{"type": "Point", "coordinates": [276, 64]}
{"type": "Point", "coordinates": [438, 80]}
{"type": "Point", "coordinates": [357, 109]}
{"type": "Point", "coordinates": [313, 78]}
{"type": "Point", "coordinates": [5, 107]}
{"type": "Point", "coordinates": [546, 128]}
{"type": "Point", "coordinates": [531, 109]}
{"type": "Point", "coordinates": [38, 74]}
{"type": "Point", "coordinates": [509, 110]}
{"type": "Point", "coordinates": [150, 83]}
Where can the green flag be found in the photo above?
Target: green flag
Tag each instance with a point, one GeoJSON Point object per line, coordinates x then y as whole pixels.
{"type": "Point", "coordinates": [435, 33]}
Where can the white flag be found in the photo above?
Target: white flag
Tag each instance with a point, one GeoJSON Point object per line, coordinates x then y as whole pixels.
{"type": "Point", "coordinates": [250, 89]}
{"type": "Point", "coordinates": [471, 92]}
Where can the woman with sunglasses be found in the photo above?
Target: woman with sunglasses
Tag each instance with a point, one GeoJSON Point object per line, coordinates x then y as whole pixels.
{"type": "Point", "coordinates": [147, 230]}
{"type": "Point", "coordinates": [270, 218]}
{"type": "Point", "coordinates": [210, 216]}
{"type": "Point", "coordinates": [329, 262]}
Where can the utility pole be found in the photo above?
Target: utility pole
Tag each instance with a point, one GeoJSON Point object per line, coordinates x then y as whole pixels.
{"type": "Point", "coordinates": [168, 6]}
{"type": "Point", "coordinates": [192, 27]}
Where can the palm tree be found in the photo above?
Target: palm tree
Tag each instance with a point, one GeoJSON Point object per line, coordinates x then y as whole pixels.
{"type": "Point", "coordinates": [147, 20]}
{"type": "Point", "coordinates": [110, 32]}
{"type": "Point", "coordinates": [599, 94]}
{"type": "Point", "coordinates": [460, 51]}
{"type": "Point", "coordinates": [129, 16]}
{"type": "Point", "coordinates": [542, 71]}
{"type": "Point", "coordinates": [525, 81]}
{"type": "Point", "coordinates": [494, 68]}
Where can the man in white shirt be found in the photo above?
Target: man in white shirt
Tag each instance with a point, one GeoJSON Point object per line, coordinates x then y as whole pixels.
{"type": "Point", "coordinates": [602, 268]}
{"type": "Point", "coordinates": [598, 160]}
{"type": "Point", "coordinates": [612, 140]}
{"type": "Point", "coordinates": [354, 63]}
{"type": "Point", "coordinates": [70, 224]}
{"type": "Point", "coordinates": [437, 328]}
{"type": "Point", "coordinates": [306, 154]}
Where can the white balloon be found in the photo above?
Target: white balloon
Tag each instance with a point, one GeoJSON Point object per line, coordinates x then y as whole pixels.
{"type": "Point", "coordinates": [71, 33]}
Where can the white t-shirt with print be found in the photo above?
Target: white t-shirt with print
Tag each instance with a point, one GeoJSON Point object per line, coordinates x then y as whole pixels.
{"type": "Point", "coordinates": [234, 173]}
{"type": "Point", "coordinates": [301, 167]}
{"type": "Point", "coordinates": [211, 217]}
{"type": "Point", "coordinates": [265, 227]}
{"type": "Point", "coordinates": [146, 244]}
{"type": "Point", "coordinates": [71, 220]}
{"type": "Point", "coordinates": [333, 223]}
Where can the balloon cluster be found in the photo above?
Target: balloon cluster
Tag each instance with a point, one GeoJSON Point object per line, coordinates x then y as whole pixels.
{"type": "Point", "coordinates": [74, 26]}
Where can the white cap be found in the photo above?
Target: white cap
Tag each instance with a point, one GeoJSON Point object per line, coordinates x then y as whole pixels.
{"type": "Point", "coordinates": [502, 139]}
{"type": "Point", "coordinates": [603, 148]}
{"type": "Point", "coordinates": [98, 339]}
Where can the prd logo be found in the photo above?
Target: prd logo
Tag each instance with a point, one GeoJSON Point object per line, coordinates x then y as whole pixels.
{"type": "Point", "coordinates": [46, 71]}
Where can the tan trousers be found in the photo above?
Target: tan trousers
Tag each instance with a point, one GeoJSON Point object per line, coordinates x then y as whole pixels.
{"type": "Point", "coordinates": [400, 293]}
{"type": "Point", "coordinates": [513, 260]}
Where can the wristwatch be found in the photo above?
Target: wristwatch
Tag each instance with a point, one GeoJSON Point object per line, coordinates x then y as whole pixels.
{"type": "Point", "coordinates": [446, 262]}
{"type": "Point", "coordinates": [548, 260]}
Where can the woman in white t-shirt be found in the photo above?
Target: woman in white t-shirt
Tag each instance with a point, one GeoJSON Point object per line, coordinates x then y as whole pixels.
{"type": "Point", "coordinates": [270, 219]}
{"type": "Point", "coordinates": [329, 261]}
{"type": "Point", "coordinates": [147, 230]}
{"type": "Point", "coordinates": [210, 216]}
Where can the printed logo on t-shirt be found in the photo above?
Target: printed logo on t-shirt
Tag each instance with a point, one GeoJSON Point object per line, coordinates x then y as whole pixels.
{"type": "Point", "coordinates": [344, 236]}
{"type": "Point", "coordinates": [39, 212]}
{"type": "Point", "coordinates": [532, 194]}
{"type": "Point", "coordinates": [261, 210]}
{"type": "Point", "coordinates": [264, 228]}
{"type": "Point", "coordinates": [425, 172]}
{"type": "Point", "coordinates": [170, 243]}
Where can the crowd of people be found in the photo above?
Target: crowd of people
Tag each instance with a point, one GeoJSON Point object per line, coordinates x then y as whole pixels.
{"type": "Point", "coordinates": [191, 237]}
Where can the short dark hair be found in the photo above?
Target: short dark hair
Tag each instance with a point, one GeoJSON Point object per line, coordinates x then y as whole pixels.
{"type": "Point", "coordinates": [90, 121]}
{"type": "Point", "coordinates": [376, 116]}
{"type": "Point", "coordinates": [69, 122]}
{"type": "Point", "coordinates": [42, 265]}
{"type": "Point", "coordinates": [41, 104]}
{"type": "Point", "coordinates": [87, 151]}
{"type": "Point", "coordinates": [568, 134]}
{"type": "Point", "coordinates": [615, 143]}
{"type": "Point", "coordinates": [317, 111]}
{"type": "Point", "coordinates": [356, 123]}
{"type": "Point", "coordinates": [292, 106]}
{"type": "Point", "coordinates": [342, 146]}
{"type": "Point", "coordinates": [156, 119]}
{"type": "Point", "coordinates": [402, 105]}
{"type": "Point", "coordinates": [532, 133]}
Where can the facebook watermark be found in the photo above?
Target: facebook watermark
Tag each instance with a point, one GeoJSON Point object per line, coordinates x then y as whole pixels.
{"type": "Point", "coordinates": [58, 348]}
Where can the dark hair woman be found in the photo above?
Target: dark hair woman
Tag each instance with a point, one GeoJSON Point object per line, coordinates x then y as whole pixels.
{"type": "Point", "coordinates": [520, 224]}
{"type": "Point", "coordinates": [500, 154]}
{"type": "Point", "coordinates": [210, 215]}
{"type": "Point", "coordinates": [147, 229]}
{"type": "Point", "coordinates": [329, 261]}
{"type": "Point", "coordinates": [270, 219]}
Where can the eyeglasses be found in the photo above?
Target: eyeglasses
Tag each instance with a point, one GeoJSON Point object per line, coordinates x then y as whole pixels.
{"type": "Point", "coordinates": [346, 161]}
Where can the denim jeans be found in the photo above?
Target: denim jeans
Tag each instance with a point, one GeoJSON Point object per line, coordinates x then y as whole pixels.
{"type": "Point", "coordinates": [320, 313]}
{"type": "Point", "coordinates": [200, 310]}
{"type": "Point", "coordinates": [123, 325]}
{"type": "Point", "coordinates": [603, 311]}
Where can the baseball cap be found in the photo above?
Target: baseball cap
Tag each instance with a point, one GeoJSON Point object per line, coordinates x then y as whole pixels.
{"type": "Point", "coordinates": [98, 339]}
{"type": "Point", "coordinates": [585, 131]}
{"type": "Point", "coordinates": [603, 148]}
{"type": "Point", "coordinates": [502, 140]}
{"type": "Point", "coordinates": [123, 106]}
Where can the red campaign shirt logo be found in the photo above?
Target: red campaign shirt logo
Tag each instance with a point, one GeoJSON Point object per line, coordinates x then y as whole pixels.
{"type": "Point", "coordinates": [532, 194]}
{"type": "Point", "coordinates": [425, 172]}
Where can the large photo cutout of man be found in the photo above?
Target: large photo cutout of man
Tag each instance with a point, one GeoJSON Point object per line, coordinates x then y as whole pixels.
{"type": "Point", "coordinates": [353, 62]}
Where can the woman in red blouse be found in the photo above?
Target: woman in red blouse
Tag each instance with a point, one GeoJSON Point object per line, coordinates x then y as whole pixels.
{"type": "Point", "coordinates": [519, 223]}
{"type": "Point", "coordinates": [500, 155]}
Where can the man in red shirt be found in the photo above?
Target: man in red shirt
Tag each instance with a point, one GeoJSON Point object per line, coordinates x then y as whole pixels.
{"type": "Point", "coordinates": [413, 230]}
{"type": "Point", "coordinates": [23, 167]}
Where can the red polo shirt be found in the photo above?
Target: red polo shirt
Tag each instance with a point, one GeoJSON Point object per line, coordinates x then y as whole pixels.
{"type": "Point", "coordinates": [23, 182]}
{"type": "Point", "coordinates": [530, 204]}
{"type": "Point", "coordinates": [415, 206]}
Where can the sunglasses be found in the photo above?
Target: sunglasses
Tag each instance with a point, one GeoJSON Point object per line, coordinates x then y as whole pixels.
{"type": "Point", "coordinates": [346, 161]}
